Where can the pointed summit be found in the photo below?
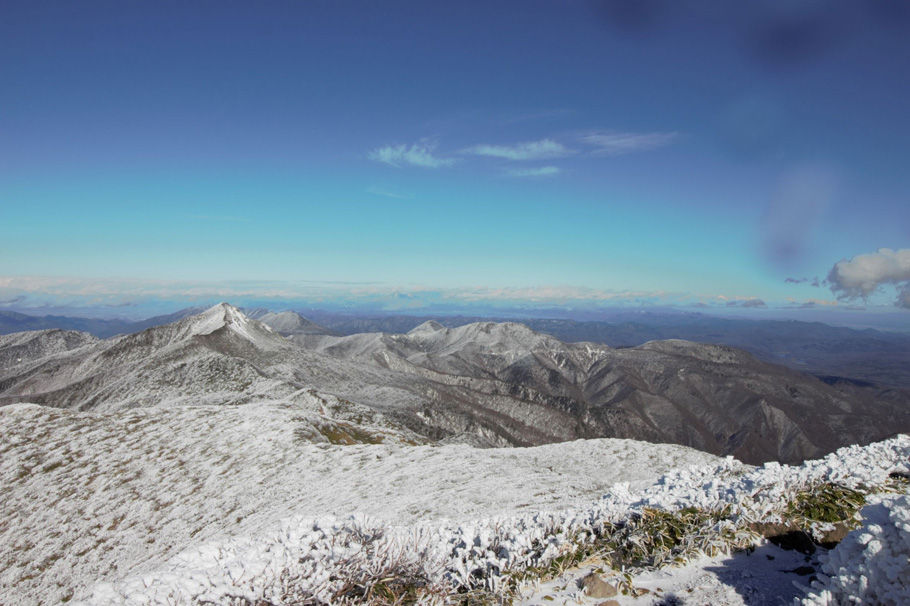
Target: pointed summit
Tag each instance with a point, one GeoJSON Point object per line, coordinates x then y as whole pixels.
{"type": "Point", "coordinates": [225, 319]}
{"type": "Point", "coordinates": [218, 316]}
{"type": "Point", "coordinates": [429, 326]}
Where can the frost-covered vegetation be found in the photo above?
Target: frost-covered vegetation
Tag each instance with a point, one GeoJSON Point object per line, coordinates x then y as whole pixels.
{"type": "Point", "coordinates": [872, 564]}
{"type": "Point", "coordinates": [700, 509]}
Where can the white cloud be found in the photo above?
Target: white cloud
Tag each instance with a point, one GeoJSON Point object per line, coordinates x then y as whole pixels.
{"type": "Point", "coordinates": [530, 150]}
{"type": "Point", "coordinates": [417, 154]}
{"type": "Point", "coordinates": [542, 171]}
{"type": "Point", "coordinates": [864, 274]}
{"type": "Point", "coordinates": [618, 144]}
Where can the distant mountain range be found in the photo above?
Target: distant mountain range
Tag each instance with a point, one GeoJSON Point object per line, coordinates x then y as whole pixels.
{"type": "Point", "coordinates": [484, 383]}
{"type": "Point", "coordinates": [831, 352]}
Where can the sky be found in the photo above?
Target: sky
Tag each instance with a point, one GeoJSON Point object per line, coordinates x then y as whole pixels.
{"type": "Point", "coordinates": [604, 153]}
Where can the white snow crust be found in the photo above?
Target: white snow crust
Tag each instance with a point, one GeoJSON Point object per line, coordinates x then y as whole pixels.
{"type": "Point", "coordinates": [89, 496]}
{"type": "Point", "coordinates": [315, 553]}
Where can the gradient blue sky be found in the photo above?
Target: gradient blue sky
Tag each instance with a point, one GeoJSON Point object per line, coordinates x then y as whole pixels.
{"type": "Point", "coordinates": [705, 153]}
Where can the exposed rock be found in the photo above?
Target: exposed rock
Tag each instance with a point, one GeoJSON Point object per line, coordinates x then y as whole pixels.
{"type": "Point", "coordinates": [596, 587]}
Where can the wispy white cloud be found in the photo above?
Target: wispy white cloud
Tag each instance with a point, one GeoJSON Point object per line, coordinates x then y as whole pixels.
{"type": "Point", "coordinates": [541, 171]}
{"type": "Point", "coordinates": [417, 154]}
{"type": "Point", "coordinates": [529, 150]}
{"type": "Point", "coordinates": [612, 143]}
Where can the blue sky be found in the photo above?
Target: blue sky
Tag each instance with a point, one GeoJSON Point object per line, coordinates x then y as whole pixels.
{"type": "Point", "coordinates": [632, 151]}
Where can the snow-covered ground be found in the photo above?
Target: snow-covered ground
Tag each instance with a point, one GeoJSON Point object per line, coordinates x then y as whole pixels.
{"type": "Point", "coordinates": [147, 505]}
{"type": "Point", "coordinates": [101, 496]}
{"type": "Point", "coordinates": [313, 555]}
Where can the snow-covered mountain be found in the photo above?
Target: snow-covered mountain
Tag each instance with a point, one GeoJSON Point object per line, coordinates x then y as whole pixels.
{"type": "Point", "coordinates": [533, 388]}
{"type": "Point", "coordinates": [218, 357]}
{"type": "Point", "coordinates": [489, 384]}
{"type": "Point", "coordinates": [20, 348]}
{"type": "Point", "coordinates": [292, 323]}
{"type": "Point", "coordinates": [200, 457]}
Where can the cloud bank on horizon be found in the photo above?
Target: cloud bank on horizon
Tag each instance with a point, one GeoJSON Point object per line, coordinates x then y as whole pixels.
{"type": "Point", "coordinates": [33, 294]}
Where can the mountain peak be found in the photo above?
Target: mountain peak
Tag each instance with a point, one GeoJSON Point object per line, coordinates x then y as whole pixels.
{"type": "Point", "coordinates": [428, 326]}
{"type": "Point", "coordinates": [218, 316]}
{"type": "Point", "coordinates": [226, 317]}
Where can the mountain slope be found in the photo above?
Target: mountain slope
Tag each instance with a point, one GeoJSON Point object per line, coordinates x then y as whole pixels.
{"type": "Point", "coordinates": [218, 357]}
{"type": "Point", "coordinates": [11, 322]}
{"type": "Point", "coordinates": [486, 384]}
{"type": "Point", "coordinates": [864, 354]}
{"type": "Point", "coordinates": [22, 348]}
{"type": "Point", "coordinates": [714, 398]}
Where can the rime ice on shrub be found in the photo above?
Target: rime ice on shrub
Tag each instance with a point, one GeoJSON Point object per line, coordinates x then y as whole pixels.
{"type": "Point", "coordinates": [872, 564]}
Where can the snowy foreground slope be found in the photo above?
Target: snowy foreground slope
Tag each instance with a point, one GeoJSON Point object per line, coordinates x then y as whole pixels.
{"type": "Point", "coordinates": [310, 559]}
{"type": "Point", "coordinates": [91, 496]}
{"type": "Point", "coordinates": [149, 505]}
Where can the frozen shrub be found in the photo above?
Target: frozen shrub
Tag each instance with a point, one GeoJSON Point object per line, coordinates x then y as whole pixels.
{"type": "Point", "coordinates": [872, 564]}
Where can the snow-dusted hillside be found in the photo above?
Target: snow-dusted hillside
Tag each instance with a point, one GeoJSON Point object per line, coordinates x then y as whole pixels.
{"type": "Point", "coordinates": [313, 558]}
{"type": "Point", "coordinates": [485, 384]}
{"type": "Point", "coordinates": [90, 496]}
{"type": "Point", "coordinates": [24, 347]}
{"type": "Point", "coordinates": [526, 387]}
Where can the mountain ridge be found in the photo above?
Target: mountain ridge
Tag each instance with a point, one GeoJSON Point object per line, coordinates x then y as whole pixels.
{"type": "Point", "coordinates": [485, 383]}
{"type": "Point", "coordinates": [832, 352]}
